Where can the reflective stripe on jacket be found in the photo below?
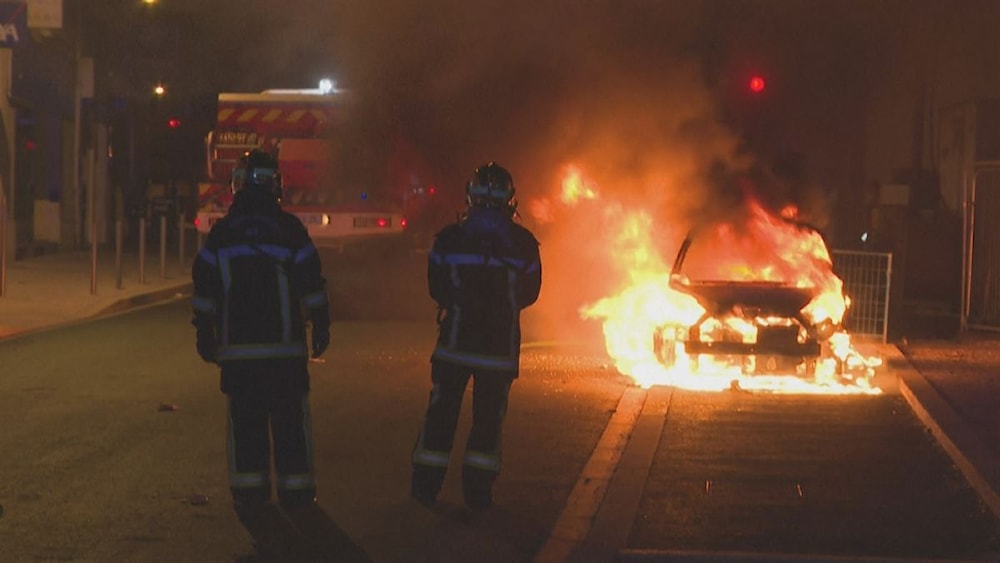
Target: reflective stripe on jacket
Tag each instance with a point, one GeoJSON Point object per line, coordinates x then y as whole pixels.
{"type": "Point", "coordinates": [482, 272]}
{"type": "Point", "coordinates": [256, 281]}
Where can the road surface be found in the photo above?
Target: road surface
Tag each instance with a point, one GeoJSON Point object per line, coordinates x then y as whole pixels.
{"type": "Point", "coordinates": [113, 450]}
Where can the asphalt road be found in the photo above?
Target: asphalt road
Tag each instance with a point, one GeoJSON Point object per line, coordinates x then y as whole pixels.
{"type": "Point", "coordinates": [113, 450]}
{"type": "Point", "coordinates": [114, 438]}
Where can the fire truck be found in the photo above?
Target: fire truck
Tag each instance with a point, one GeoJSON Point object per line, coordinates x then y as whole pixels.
{"type": "Point", "coordinates": [303, 129]}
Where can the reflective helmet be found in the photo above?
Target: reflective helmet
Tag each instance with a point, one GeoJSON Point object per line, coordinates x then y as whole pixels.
{"type": "Point", "coordinates": [492, 187]}
{"type": "Point", "coordinates": [257, 170]}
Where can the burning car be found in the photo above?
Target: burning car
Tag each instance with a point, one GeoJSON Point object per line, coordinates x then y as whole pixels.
{"type": "Point", "coordinates": [771, 302]}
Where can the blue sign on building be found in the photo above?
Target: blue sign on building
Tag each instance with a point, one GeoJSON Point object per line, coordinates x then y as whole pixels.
{"type": "Point", "coordinates": [13, 23]}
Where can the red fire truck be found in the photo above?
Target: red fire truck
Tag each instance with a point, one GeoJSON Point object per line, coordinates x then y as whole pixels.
{"type": "Point", "coordinates": [303, 128]}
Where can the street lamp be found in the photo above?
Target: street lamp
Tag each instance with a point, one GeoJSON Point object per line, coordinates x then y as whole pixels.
{"type": "Point", "coordinates": [159, 90]}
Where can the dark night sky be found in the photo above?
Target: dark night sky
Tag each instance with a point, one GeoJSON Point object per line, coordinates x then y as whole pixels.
{"type": "Point", "coordinates": [499, 79]}
{"type": "Point", "coordinates": [479, 79]}
{"type": "Point", "coordinates": [534, 83]}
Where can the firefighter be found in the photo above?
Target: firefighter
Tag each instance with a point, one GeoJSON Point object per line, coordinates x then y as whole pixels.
{"type": "Point", "coordinates": [257, 283]}
{"type": "Point", "coordinates": [482, 271]}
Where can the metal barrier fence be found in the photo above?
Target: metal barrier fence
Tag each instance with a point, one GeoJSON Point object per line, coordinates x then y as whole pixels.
{"type": "Point", "coordinates": [867, 277]}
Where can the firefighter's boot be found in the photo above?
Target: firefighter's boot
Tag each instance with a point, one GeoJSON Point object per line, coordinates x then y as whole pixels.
{"type": "Point", "coordinates": [477, 487]}
{"type": "Point", "coordinates": [425, 484]}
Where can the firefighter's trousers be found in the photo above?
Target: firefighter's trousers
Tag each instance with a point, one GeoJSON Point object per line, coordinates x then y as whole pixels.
{"type": "Point", "coordinates": [481, 461]}
{"type": "Point", "coordinates": [253, 419]}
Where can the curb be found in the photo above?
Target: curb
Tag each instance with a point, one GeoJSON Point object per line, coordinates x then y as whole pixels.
{"type": "Point", "coordinates": [142, 300]}
{"type": "Point", "coordinates": [118, 307]}
{"type": "Point", "coordinates": [979, 464]}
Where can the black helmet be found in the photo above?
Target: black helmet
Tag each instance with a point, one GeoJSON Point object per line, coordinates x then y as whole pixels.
{"type": "Point", "coordinates": [491, 186]}
{"type": "Point", "coordinates": [257, 170]}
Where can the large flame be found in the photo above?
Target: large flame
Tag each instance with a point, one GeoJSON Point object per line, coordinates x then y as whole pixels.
{"type": "Point", "coordinates": [757, 247]}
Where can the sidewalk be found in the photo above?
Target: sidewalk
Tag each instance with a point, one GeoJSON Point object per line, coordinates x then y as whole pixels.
{"type": "Point", "coordinates": [56, 289]}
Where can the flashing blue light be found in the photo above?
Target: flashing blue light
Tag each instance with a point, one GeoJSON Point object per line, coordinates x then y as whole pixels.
{"type": "Point", "coordinates": [364, 195]}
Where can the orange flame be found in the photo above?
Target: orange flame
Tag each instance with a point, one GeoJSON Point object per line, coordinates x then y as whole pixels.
{"type": "Point", "coordinates": [576, 186]}
{"type": "Point", "coordinates": [762, 248]}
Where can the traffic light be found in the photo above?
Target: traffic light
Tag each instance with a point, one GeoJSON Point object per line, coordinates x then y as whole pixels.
{"type": "Point", "coordinates": [173, 123]}
{"type": "Point", "coordinates": [757, 84]}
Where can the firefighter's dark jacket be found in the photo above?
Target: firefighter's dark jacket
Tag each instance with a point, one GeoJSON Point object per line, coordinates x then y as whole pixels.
{"type": "Point", "coordinates": [482, 271]}
{"type": "Point", "coordinates": [257, 279]}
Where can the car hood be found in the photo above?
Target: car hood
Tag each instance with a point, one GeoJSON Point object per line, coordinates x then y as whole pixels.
{"type": "Point", "coordinates": [765, 298]}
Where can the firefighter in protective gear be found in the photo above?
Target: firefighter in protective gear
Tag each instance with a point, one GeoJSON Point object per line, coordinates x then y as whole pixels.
{"type": "Point", "coordinates": [257, 283]}
{"type": "Point", "coordinates": [482, 271]}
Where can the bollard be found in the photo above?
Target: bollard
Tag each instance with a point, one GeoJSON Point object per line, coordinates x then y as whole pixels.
{"type": "Point", "coordinates": [142, 250]}
{"type": "Point", "coordinates": [3, 244]}
{"type": "Point", "coordinates": [93, 258]}
{"type": "Point", "coordinates": [163, 246]}
{"type": "Point", "coordinates": [118, 254]}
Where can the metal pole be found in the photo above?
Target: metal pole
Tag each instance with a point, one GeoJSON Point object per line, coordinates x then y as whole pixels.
{"type": "Point", "coordinates": [180, 240]}
{"type": "Point", "coordinates": [131, 146]}
{"type": "Point", "coordinates": [118, 254]}
{"type": "Point", "coordinates": [968, 241]}
{"type": "Point", "coordinates": [142, 250]}
{"type": "Point", "coordinates": [8, 184]}
{"type": "Point", "coordinates": [885, 309]}
{"type": "Point", "coordinates": [93, 258]}
{"type": "Point", "coordinates": [77, 87]}
{"type": "Point", "coordinates": [963, 307]}
{"type": "Point", "coordinates": [163, 246]}
{"type": "Point", "coordinates": [3, 243]}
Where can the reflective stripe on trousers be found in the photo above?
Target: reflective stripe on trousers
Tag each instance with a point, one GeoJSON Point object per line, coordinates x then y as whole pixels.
{"type": "Point", "coordinates": [252, 422]}
{"type": "Point", "coordinates": [489, 405]}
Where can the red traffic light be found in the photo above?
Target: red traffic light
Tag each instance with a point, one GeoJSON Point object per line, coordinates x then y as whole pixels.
{"type": "Point", "coordinates": [757, 84]}
{"type": "Point", "coordinates": [173, 123]}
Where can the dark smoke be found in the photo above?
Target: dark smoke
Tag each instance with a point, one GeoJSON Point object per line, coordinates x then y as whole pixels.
{"type": "Point", "coordinates": [539, 85]}
{"type": "Point", "coordinates": [632, 92]}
